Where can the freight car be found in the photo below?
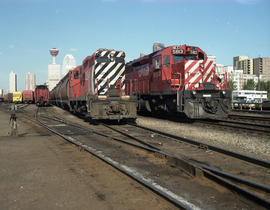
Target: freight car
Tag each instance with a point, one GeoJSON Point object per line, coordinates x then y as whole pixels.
{"type": "Point", "coordinates": [96, 88]}
{"type": "Point", "coordinates": [41, 95]}
{"type": "Point", "coordinates": [178, 79]}
{"type": "Point", "coordinates": [28, 96]}
{"type": "Point", "coordinates": [17, 97]}
{"type": "Point", "coordinates": [6, 97]}
{"type": "Point", "coordinates": [10, 97]}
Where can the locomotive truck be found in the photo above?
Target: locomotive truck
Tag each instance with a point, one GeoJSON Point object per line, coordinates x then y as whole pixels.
{"type": "Point", "coordinates": [178, 79]}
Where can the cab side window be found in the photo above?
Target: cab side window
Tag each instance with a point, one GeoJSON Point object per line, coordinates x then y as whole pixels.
{"type": "Point", "coordinates": [157, 61]}
{"type": "Point", "coordinates": [76, 75]}
{"type": "Point", "coordinates": [166, 60]}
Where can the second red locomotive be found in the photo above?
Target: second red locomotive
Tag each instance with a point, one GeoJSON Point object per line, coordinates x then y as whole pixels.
{"type": "Point", "coordinates": [178, 79]}
{"type": "Point", "coordinates": [95, 88]}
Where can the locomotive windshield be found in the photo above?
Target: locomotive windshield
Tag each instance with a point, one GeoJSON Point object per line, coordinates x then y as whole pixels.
{"type": "Point", "coordinates": [178, 58]}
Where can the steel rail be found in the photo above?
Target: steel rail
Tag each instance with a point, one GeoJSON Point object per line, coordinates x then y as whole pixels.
{"type": "Point", "coordinates": [208, 171]}
{"type": "Point", "coordinates": [246, 158]}
{"type": "Point", "coordinates": [244, 123]}
{"type": "Point", "coordinates": [122, 168]}
{"type": "Point", "coordinates": [131, 137]}
{"type": "Point", "coordinates": [262, 187]}
{"type": "Point", "coordinates": [260, 118]}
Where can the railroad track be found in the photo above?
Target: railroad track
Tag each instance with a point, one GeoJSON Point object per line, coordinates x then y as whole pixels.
{"type": "Point", "coordinates": [192, 167]}
{"type": "Point", "coordinates": [235, 124]}
{"type": "Point", "coordinates": [265, 119]}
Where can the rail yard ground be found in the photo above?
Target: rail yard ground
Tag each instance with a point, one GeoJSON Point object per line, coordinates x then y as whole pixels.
{"type": "Point", "coordinates": [248, 143]}
{"type": "Point", "coordinates": [39, 170]}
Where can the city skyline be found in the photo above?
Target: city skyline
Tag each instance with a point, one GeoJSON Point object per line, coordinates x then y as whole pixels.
{"type": "Point", "coordinates": [221, 28]}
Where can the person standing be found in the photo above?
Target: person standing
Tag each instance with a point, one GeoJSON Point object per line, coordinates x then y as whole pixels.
{"type": "Point", "coordinates": [13, 119]}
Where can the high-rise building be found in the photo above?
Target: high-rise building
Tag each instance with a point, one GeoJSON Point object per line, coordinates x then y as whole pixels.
{"type": "Point", "coordinates": [158, 46]}
{"type": "Point", "coordinates": [54, 74]}
{"type": "Point", "coordinates": [69, 63]}
{"type": "Point", "coordinates": [1, 92]}
{"type": "Point", "coordinates": [30, 81]}
{"type": "Point", "coordinates": [261, 68]}
{"type": "Point", "coordinates": [12, 82]}
{"type": "Point", "coordinates": [243, 63]}
{"type": "Point", "coordinates": [237, 78]}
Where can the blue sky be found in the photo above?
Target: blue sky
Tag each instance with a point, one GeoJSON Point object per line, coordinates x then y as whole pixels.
{"type": "Point", "coordinates": [29, 28]}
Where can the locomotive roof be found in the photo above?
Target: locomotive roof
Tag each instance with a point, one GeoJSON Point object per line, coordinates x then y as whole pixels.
{"type": "Point", "coordinates": [146, 57]}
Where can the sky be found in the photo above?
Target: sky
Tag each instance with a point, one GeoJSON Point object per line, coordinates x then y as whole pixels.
{"type": "Point", "coordinates": [30, 28]}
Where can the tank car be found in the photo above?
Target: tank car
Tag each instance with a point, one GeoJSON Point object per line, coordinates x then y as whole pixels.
{"type": "Point", "coordinates": [96, 88]}
{"type": "Point", "coordinates": [178, 79]}
{"type": "Point", "coordinates": [28, 96]}
{"type": "Point", "coordinates": [41, 95]}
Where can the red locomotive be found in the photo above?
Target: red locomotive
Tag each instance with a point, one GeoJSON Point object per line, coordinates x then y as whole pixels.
{"type": "Point", "coordinates": [178, 79]}
{"type": "Point", "coordinates": [41, 95]}
{"type": "Point", "coordinates": [92, 88]}
{"type": "Point", "coordinates": [28, 96]}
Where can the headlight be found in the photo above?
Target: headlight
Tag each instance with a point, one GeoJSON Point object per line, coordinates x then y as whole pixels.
{"type": "Point", "coordinates": [194, 92]}
{"type": "Point", "coordinates": [224, 92]}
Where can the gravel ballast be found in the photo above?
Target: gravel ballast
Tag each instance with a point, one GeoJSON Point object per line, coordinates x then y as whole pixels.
{"type": "Point", "coordinates": [245, 143]}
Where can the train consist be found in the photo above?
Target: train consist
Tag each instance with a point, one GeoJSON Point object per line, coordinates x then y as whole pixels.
{"type": "Point", "coordinates": [40, 96]}
{"type": "Point", "coordinates": [96, 88]}
{"type": "Point", "coordinates": [178, 79]}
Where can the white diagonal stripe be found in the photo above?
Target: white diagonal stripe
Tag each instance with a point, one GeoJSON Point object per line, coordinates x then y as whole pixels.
{"type": "Point", "coordinates": [105, 70]}
{"type": "Point", "coordinates": [109, 75]}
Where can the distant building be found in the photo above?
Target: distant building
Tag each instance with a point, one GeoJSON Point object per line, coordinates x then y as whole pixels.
{"type": "Point", "coordinates": [220, 69]}
{"type": "Point", "coordinates": [228, 69]}
{"type": "Point", "coordinates": [212, 58]}
{"type": "Point", "coordinates": [30, 81]}
{"type": "Point", "coordinates": [54, 74]}
{"type": "Point", "coordinates": [237, 59]}
{"type": "Point", "coordinates": [69, 63]}
{"type": "Point", "coordinates": [237, 78]}
{"type": "Point", "coordinates": [158, 46]}
{"type": "Point", "coordinates": [261, 68]}
{"type": "Point", "coordinates": [12, 82]}
{"type": "Point", "coordinates": [243, 63]}
{"type": "Point", "coordinates": [253, 77]}
{"type": "Point", "coordinates": [1, 92]}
